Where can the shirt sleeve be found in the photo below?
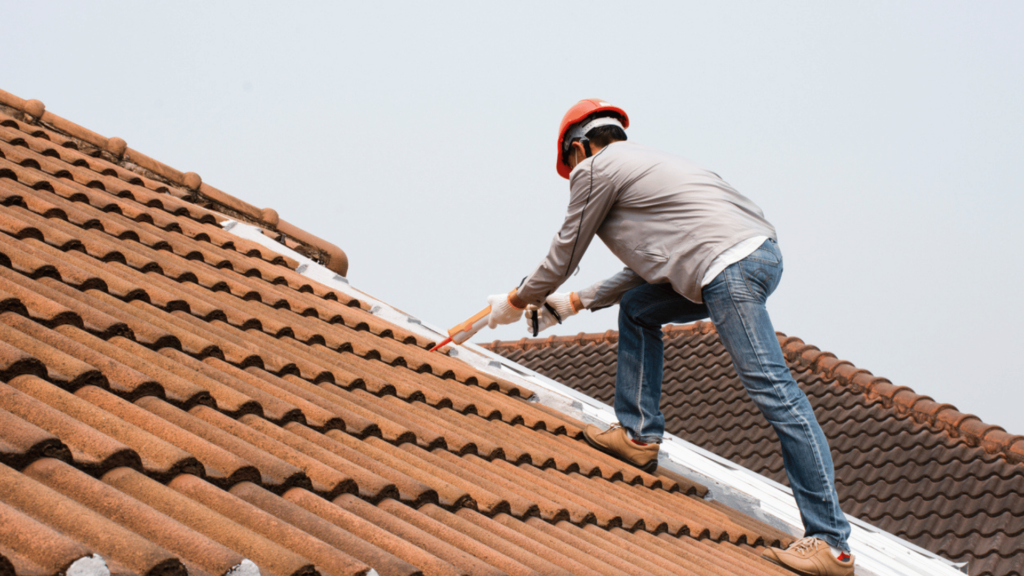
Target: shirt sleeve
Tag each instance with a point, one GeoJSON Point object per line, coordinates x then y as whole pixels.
{"type": "Point", "coordinates": [591, 197]}
{"type": "Point", "coordinates": [609, 292]}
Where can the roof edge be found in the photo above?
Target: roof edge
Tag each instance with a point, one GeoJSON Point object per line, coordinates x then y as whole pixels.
{"type": "Point", "coordinates": [116, 150]}
{"type": "Point", "coordinates": [907, 403]}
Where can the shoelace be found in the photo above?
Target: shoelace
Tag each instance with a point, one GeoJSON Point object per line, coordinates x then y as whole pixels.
{"type": "Point", "coordinates": [808, 544]}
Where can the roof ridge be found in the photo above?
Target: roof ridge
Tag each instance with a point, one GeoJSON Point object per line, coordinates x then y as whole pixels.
{"type": "Point", "coordinates": [116, 150]}
{"type": "Point", "coordinates": [907, 403]}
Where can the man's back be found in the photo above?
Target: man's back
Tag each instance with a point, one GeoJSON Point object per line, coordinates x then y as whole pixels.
{"type": "Point", "coordinates": [666, 217]}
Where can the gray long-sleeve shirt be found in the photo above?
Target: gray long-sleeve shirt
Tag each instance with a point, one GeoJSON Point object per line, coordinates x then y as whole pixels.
{"type": "Point", "coordinates": [663, 216]}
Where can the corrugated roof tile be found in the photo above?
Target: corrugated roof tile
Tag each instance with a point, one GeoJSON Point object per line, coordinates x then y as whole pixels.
{"type": "Point", "coordinates": [90, 449]}
{"type": "Point", "coordinates": [159, 459]}
{"type": "Point", "coordinates": [323, 555]}
{"type": "Point", "coordinates": [263, 551]}
{"type": "Point", "coordinates": [134, 516]}
{"type": "Point", "coordinates": [325, 531]}
{"type": "Point", "coordinates": [84, 525]}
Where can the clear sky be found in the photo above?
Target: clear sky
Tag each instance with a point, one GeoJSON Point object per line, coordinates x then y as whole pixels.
{"type": "Point", "coordinates": [884, 140]}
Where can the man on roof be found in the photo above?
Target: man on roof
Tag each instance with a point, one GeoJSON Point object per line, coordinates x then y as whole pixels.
{"type": "Point", "coordinates": [694, 248]}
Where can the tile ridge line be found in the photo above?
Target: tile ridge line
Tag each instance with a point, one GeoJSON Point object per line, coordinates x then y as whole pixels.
{"type": "Point", "coordinates": [116, 150]}
{"type": "Point", "coordinates": [906, 402]}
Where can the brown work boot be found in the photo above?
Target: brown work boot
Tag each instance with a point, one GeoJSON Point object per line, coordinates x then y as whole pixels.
{"type": "Point", "coordinates": [810, 557]}
{"type": "Point", "coordinates": [616, 441]}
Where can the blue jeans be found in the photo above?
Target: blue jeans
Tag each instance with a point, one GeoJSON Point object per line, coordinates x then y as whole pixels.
{"type": "Point", "coordinates": [735, 302]}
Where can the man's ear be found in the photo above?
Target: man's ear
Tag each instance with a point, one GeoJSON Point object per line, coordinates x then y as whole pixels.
{"type": "Point", "coordinates": [578, 152]}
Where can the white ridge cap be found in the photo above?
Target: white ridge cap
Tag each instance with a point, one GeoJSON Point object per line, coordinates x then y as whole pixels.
{"type": "Point", "coordinates": [93, 565]}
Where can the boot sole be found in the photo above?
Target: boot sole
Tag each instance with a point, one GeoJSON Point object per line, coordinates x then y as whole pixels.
{"type": "Point", "coordinates": [649, 468]}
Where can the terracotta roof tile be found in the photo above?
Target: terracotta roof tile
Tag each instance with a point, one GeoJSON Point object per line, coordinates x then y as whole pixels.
{"type": "Point", "coordinates": [90, 449]}
{"type": "Point", "coordinates": [134, 515]}
{"type": "Point", "coordinates": [261, 522]}
{"type": "Point", "coordinates": [219, 465]}
{"type": "Point", "coordinates": [294, 515]}
{"type": "Point", "coordinates": [41, 549]}
{"type": "Point", "coordinates": [234, 408]}
{"type": "Point", "coordinates": [904, 462]}
{"type": "Point", "coordinates": [159, 459]}
{"type": "Point", "coordinates": [85, 525]}
{"type": "Point", "coordinates": [265, 552]}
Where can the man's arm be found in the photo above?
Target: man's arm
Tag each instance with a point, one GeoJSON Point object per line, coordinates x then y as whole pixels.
{"type": "Point", "coordinates": [608, 292]}
{"type": "Point", "coordinates": [591, 199]}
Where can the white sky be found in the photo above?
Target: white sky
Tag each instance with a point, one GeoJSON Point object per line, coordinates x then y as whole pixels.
{"type": "Point", "coordinates": [884, 140]}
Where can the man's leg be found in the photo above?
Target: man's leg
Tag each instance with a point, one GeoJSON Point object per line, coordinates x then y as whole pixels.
{"type": "Point", "coordinates": [642, 312]}
{"type": "Point", "coordinates": [736, 303]}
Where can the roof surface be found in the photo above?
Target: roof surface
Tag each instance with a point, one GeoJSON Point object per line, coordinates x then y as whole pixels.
{"type": "Point", "coordinates": [905, 463]}
{"type": "Point", "coordinates": [175, 398]}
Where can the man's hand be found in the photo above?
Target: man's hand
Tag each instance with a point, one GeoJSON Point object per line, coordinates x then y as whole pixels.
{"type": "Point", "coordinates": [503, 311]}
{"type": "Point", "coordinates": [556, 308]}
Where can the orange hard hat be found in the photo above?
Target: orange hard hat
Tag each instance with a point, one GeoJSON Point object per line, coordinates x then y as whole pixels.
{"type": "Point", "coordinates": [579, 112]}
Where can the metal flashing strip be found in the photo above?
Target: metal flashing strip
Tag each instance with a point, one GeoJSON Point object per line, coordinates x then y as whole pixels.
{"type": "Point", "coordinates": [878, 553]}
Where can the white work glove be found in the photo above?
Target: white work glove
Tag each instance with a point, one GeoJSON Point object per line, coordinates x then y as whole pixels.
{"type": "Point", "coordinates": [502, 310]}
{"type": "Point", "coordinates": [540, 319]}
